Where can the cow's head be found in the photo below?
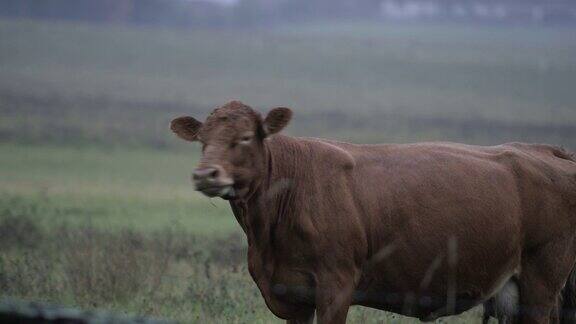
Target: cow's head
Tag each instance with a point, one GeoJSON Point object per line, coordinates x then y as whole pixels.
{"type": "Point", "coordinates": [233, 155]}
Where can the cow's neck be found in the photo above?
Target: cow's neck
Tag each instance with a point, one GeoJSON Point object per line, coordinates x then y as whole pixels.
{"type": "Point", "coordinates": [271, 196]}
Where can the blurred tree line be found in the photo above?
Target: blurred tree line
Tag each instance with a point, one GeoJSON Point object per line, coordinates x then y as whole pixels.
{"type": "Point", "coordinates": [160, 12]}
{"type": "Point", "coordinates": [190, 13]}
{"type": "Point", "coordinates": [187, 12]}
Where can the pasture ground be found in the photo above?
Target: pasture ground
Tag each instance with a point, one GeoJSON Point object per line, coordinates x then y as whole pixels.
{"type": "Point", "coordinates": [96, 207]}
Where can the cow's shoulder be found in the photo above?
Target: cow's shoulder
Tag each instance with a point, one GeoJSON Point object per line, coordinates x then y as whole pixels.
{"type": "Point", "coordinates": [330, 153]}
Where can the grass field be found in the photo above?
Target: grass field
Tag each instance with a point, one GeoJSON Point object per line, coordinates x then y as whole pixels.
{"type": "Point", "coordinates": [96, 206]}
{"type": "Point", "coordinates": [367, 83]}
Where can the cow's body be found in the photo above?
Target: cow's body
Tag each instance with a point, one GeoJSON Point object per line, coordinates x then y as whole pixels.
{"type": "Point", "coordinates": [405, 225]}
{"type": "Point", "coordinates": [423, 230]}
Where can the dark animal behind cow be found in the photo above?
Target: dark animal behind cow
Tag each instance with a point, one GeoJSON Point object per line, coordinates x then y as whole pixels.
{"type": "Point", "coordinates": [424, 230]}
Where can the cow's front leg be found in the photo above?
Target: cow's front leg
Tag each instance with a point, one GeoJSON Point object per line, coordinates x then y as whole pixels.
{"type": "Point", "coordinates": [305, 318]}
{"type": "Point", "coordinates": [333, 298]}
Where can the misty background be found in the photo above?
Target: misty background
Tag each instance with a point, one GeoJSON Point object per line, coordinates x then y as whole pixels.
{"type": "Point", "coordinates": [96, 206]}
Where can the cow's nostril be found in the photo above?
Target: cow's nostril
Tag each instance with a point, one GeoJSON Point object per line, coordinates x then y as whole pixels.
{"type": "Point", "coordinates": [205, 174]}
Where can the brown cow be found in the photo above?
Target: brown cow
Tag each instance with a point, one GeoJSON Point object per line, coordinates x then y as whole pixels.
{"type": "Point", "coordinates": [424, 230]}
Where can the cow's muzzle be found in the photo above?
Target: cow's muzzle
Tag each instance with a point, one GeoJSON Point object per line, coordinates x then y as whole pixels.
{"type": "Point", "coordinates": [213, 182]}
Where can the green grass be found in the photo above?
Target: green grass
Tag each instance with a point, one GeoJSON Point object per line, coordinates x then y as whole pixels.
{"type": "Point", "coordinates": [140, 189]}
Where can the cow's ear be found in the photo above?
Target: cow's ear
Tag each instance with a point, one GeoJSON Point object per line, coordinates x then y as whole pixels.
{"type": "Point", "coordinates": [186, 128]}
{"type": "Point", "coordinates": [276, 120]}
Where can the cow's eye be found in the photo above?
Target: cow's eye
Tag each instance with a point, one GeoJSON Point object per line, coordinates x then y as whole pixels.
{"type": "Point", "coordinates": [245, 139]}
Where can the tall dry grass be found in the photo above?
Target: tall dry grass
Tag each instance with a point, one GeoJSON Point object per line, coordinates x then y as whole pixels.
{"type": "Point", "coordinates": [167, 273]}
